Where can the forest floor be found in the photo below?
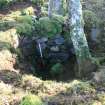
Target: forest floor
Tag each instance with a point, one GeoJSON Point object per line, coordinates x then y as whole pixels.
{"type": "Point", "coordinates": [14, 85]}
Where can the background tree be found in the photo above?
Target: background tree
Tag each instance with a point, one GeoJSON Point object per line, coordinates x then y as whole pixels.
{"type": "Point", "coordinates": [50, 7]}
{"type": "Point", "coordinates": [55, 6]}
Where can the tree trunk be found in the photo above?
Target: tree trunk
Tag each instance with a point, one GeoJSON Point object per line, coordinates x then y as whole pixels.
{"type": "Point", "coordinates": [50, 8]}
{"type": "Point", "coordinates": [55, 6]}
{"type": "Point", "coordinates": [78, 37]}
{"type": "Point", "coordinates": [58, 6]}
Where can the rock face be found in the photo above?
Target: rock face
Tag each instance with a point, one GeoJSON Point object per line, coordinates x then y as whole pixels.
{"type": "Point", "coordinates": [50, 52]}
{"type": "Point", "coordinates": [51, 48]}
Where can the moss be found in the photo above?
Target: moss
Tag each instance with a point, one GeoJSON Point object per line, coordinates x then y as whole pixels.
{"type": "Point", "coordinates": [96, 61]}
{"type": "Point", "coordinates": [4, 25]}
{"type": "Point", "coordinates": [4, 46]}
{"type": "Point", "coordinates": [49, 27]}
{"type": "Point", "coordinates": [59, 18]}
{"type": "Point", "coordinates": [24, 25]}
{"type": "Point", "coordinates": [31, 100]}
{"type": "Point", "coordinates": [24, 29]}
{"type": "Point", "coordinates": [4, 3]}
{"type": "Point", "coordinates": [37, 2]}
{"type": "Point", "coordinates": [90, 19]}
{"type": "Point", "coordinates": [56, 69]}
{"type": "Point", "coordinates": [24, 19]}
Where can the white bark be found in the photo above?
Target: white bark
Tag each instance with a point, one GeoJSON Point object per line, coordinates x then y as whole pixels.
{"type": "Point", "coordinates": [55, 6]}
{"type": "Point", "coordinates": [77, 33]}
{"type": "Point", "coordinates": [50, 8]}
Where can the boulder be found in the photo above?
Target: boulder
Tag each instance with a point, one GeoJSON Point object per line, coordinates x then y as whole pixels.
{"type": "Point", "coordinates": [55, 48]}
{"type": "Point", "coordinates": [59, 56]}
{"type": "Point", "coordinates": [59, 40]}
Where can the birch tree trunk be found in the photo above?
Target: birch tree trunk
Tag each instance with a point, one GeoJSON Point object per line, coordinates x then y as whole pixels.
{"type": "Point", "coordinates": [50, 8]}
{"type": "Point", "coordinates": [78, 37]}
{"type": "Point", "coordinates": [58, 6]}
{"type": "Point", "coordinates": [54, 6]}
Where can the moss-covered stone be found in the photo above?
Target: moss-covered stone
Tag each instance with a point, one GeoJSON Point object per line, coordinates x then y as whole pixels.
{"type": "Point", "coordinates": [24, 25]}
{"type": "Point", "coordinates": [4, 3]}
{"type": "Point", "coordinates": [56, 69]}
{"type": "Point", "coordinates": [24, 19]}
{"type": "Point", "coordinates": [49, 27]}
{"type": "Point", "coordinates": [5, 25]}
